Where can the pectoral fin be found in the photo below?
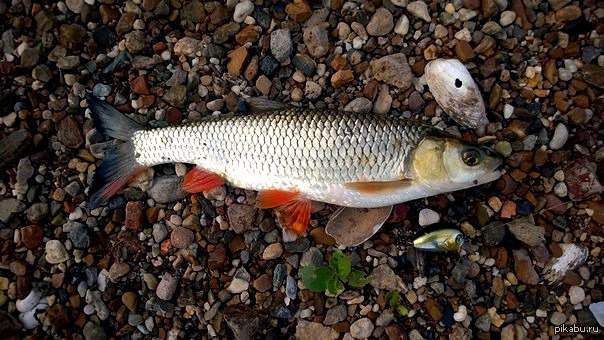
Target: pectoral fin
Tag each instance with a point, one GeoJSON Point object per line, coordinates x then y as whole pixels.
{"type": "Point", "coordinates": [198, 180]}
{"type": "Point", "coordinates": [379, 187]}
{"type": "Point", "coordinates": [292, 209]}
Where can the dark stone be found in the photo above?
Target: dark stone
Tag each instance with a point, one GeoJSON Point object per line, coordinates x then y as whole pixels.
{"type": "Point", "coordinates": [268, 65]}
{"type": "Point", "coordinates": [104, 38]}
{"type": "Point", "coordinates": [13, 146]}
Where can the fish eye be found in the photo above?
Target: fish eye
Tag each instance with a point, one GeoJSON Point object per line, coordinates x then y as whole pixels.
{"type": "Point", "coordinates": [471, 157]}
{"type": "Point", "coordinates": [459, 239]}
{"type": "Point", "coordinates": [458, 83]}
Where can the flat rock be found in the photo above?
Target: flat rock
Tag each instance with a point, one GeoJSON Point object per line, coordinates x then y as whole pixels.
{"type": "Point", "coordinates": [242, 320]}
{"type": "Point", "coordinates": [167, 189]}
{"type": "Point", "coordinates": [381, 23]}
{"type": "Point", "coordinates": [383, 277]}
{"type": "Point", "coordinates": [393, 70]}
{"type": "Point", "coordinates": [306, 330]}
{"type": "Point", "coordinates": [241, 217]}
{"type": "Point", "coordinates": [166, 287]}
{"type": "Point", "coordinates": [362, 328]}
{"type": "Point", "coordinates": [316, 40]}
{"type": "Point", "coordinates": [69, 133]}
{"type": "Point", "coordinates": [525, 271]}
{"type": "Point", "coordinates": [55, 252]}
{"type": "Point", "coordinates": [281, 44]}
{"type": "Point", "coordinates": [9, 207]}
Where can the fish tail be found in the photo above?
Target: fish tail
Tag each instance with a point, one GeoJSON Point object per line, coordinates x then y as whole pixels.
{"type": "Point", "coordinates": [119, 165]}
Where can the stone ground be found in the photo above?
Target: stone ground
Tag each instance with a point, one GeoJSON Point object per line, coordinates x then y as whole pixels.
{"type": "Point", "coordinates": [155, 262]}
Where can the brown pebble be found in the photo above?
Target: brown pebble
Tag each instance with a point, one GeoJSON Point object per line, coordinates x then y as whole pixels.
{"type": "Point", "coordinates": [134, 215]}
{"type": "Point", "coordinates": [237, 59]}
{"type": "Point", "coordinates": [434, 309]}
{"type": "Point", "coordinates": [129, 300]}
{"type": "Point", "coordinates": [32, 236]}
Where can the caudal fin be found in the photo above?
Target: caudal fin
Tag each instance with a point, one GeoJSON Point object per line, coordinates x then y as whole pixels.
{"type": "Point", "coordinates": [119, 165]}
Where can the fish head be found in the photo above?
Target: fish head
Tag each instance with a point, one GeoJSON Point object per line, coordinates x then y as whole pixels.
{"type": "Point", "coordinates": [454, 241]}
{"type": "Point", "coordinates": [445, 164]}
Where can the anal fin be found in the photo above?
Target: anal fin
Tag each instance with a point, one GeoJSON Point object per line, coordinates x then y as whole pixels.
{"type": "Point", "coordinates": [198, 180]}
{"type": "Point", "coordinates": [293, 210]}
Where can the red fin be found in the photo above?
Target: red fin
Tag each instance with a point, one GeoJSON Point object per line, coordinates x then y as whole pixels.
{"type": "Point", "coordinates": [296, 215]}
{"type": "Point", "coordinates": [198, 180]}
{"type": "Point", "coordinates": [268, 199]}
{"type": "Point", "coordinates": [115, 186]}
{"type": "Point", "coordinates": [293, 210]}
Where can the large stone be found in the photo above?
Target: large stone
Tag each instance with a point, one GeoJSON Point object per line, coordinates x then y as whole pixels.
{"type": "Point", "coordinates": [241, 217]}
{"type": "Point", "coordinates": [393, 70]}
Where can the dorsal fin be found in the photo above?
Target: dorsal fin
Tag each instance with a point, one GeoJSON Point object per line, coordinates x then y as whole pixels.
{"type": "Point", "coordinates": [261, 104]}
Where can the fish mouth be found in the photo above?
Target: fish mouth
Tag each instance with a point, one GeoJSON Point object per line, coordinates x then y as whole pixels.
{"type": "Point", "coordinates": [493, 174]}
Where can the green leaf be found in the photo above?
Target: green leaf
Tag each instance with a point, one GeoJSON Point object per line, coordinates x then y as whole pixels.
{"type": "Point", "coordinates": [334, 286]}
{"type": "Point", "coordinates": [402, 310]}
{"type": "Point", "coordinates": [315, 278]}
{"type": "Point", "coordinates": [357, 279]}
{"type": "Point", "coordinates": [340, 263]}
{"type": "Point", "coordinates": [393, 299]}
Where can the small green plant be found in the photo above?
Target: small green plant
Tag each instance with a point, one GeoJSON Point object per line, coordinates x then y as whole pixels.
{"type": "Point", "coordinates": [331, 278]}
{"type": "Point", "coordinates": [393, 299]}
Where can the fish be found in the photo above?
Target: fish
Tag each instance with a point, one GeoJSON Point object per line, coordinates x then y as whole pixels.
{"type": "Point", "coordinates": [294, 155]}
{"type": "Point", "coordinates": [456, 92]}
{"type": "Point", "coordinates": [440, 240]}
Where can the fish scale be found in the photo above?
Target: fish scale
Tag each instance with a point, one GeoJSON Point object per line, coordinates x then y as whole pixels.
{"type": "Point", "coordinates": [309, 150]}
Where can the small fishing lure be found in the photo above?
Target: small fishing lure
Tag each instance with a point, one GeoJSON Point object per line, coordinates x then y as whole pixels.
{"type": "Point", "coordinates": [441, 240]}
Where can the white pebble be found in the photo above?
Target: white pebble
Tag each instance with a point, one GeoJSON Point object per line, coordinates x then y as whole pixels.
{"type": "Point", "coordinates": [560, 137]}
{"type": "Point", "coordinates": [242, 10]}
{"type": "Point", "coordinates": [402, 25]}
{"type": "Point", "coordinates": [508, 110]}
{"type": "Point", "coordinates": [461, 314]}
{"type": "Point", "coordinates": [560, 189]}
{"type": "Point", "coordinates": [576, 294]}
{"type": "Point", "coordinates": [428, 217]}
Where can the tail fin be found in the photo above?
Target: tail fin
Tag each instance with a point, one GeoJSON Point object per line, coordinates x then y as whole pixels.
{"type": "Point", "coordinates": [110, 121]}
{"type": "Point", "coordinates": [119, 165]}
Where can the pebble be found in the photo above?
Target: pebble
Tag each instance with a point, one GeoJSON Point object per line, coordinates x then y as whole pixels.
{"type": "Point", "coordinates": [361, 329]}
{"type": "Point", "coordinates": [383, 277]}
{"type": "Point", "coordinates": [428, 217]}
{"type": "Point", "coordinates": [525, 271]}
{"type": "Point", "coordinates": [182, 238]}
{"type": "Point", "coordinates": [557, 318]}
{"type": "Point", "coordinates": [383, 101]}
{"type": "Point", "coordinates": [316, 40]}
{"type": "Point", "coordinates": [238, 285]}
{"type": "Point", "coordinates": [420, 10]}
{"type": "Point", "coordinates": [273, 251]}
{"type": "Point", "coordinates": [281, 44]}
{"type": "Point", "coordinates": [166, 287]}
{"type": "Point", "coordinates": [306, 330]}
{"type": "Point", "coordinates": [402, 25]}
{"type": "Point", "coordinates": [461, 314]}
{"type": "Point", "coordinates": [507, 18]}
{"type": "Point", "coordinates": [187, 46]}
{"type": "Point", "coordinates": [242, 10]}
{"type": "Point", "coordinates": [241, 217]}
{"type": "Point", "coordinates": [576, 295]}
{"type": "Point", "coordinates": [381, 23]}
{"type": "Point", "coordinates": [559, 138]}
{"type": "Point", "coordinates": [335, 314]}
{"type": "Point", "coordinates": [359, 105]}
{"type": "Point", "coordinates": [55, 252]}
{"type": "Point", "coordinates": [393, 70]}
